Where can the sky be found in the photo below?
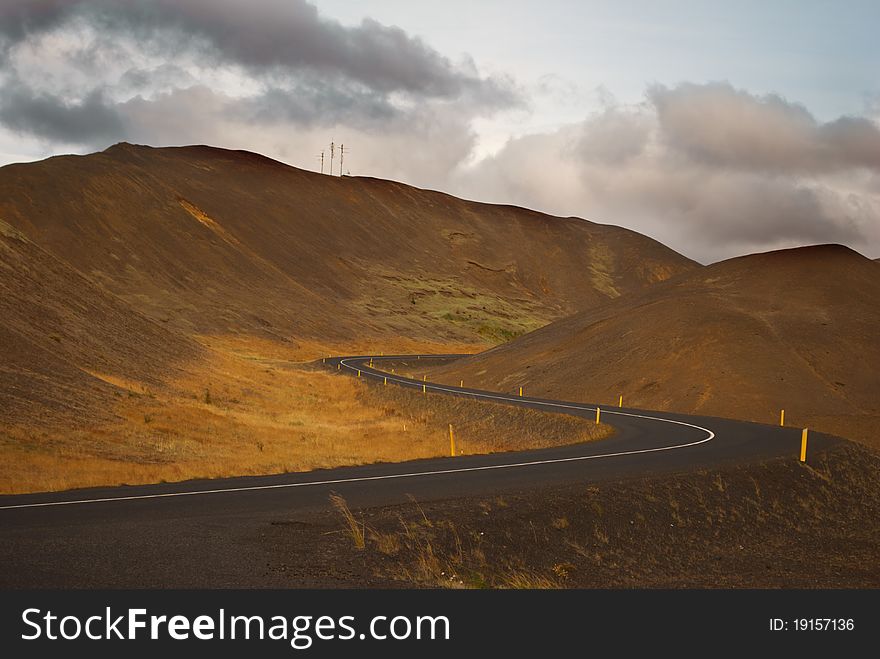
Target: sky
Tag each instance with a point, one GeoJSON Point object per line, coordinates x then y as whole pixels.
{"type": "Point", "coordinates": [717, 128]}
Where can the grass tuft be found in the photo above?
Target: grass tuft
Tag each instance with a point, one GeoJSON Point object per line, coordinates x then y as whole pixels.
{"type": "Point", "coordinates": [355, 531]}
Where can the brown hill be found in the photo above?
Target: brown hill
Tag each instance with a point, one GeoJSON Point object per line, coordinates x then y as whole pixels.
{"type": "Point", "coordinates": [65, 339]}
{"type": "Point", "coordinates": [215, 241]}
{"type": "Point", "coordinates": [151, 301]}
{"type": "Point", "coordinates": [744, 338]}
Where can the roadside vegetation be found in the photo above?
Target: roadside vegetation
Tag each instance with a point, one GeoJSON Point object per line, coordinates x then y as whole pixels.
{"type": "Point", "coordinates": [778, 525]}
{"type": "Point", "coordinates": [247, 414]}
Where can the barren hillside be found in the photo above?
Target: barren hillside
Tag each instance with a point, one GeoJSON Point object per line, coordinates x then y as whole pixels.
{"type": "Point", "coordinates": [215, 241]}
{"type": "Point", "coordinates": [744, 338]}
{"type": "Point", "coordinates": [66, 340]}
{"type": "Point", "coordinates": [152, 300]}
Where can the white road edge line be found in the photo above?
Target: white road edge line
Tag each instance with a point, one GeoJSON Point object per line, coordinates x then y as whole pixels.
{"type": "Point", "coordinates": [253, 488]}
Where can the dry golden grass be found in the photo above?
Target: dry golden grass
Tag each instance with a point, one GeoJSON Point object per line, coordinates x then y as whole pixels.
{"type": "Point", "coordinates": [434, 553]}
{"type": "Point", "coordinates": [479, 426]}
{"type": "Point", "coordinates": [245, 413]}
{"type": "Point", "coordinates": [527, 580]}
{"type": "Point", "coordinates": [356, 530]}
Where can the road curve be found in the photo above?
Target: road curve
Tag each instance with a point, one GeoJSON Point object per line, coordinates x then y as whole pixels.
{"type": "Point", "coordinates": [644, 432]}
{"type": "Point", "coordinates": [43, 537]}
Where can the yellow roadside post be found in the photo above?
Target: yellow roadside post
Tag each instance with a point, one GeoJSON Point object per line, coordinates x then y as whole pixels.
{"type": "Point", "coordinates": [804, 445]}
{"type": "Point", "coordinates": [620, 401]}
{"type": "Point", "coordinates": [520, 392]}
{"type": "Point", "coordinates": [461, 384]}
{"type": "Point", "coordinates": [359, 373]}
{"type": "Point", "coordinates": [338, 366]}
{"type": "Point", "coordinates": [781, 417]}
{"type": "Point", "coordinates": [392, 371]}
{"type": "Point", "coordinates": [598, 411]}
{"type": "Point", "coordinates": [451, 441]}
{"type": "Point", "coordinates": [385, 380]}
{"type": "Point", "coordinates": [371, 362]}
{"type": "Point", "coordinates": [424, 389]}
{"type": "Point", "coordinates": [323, 360]}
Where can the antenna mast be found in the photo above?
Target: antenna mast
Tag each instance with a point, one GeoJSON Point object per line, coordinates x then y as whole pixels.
{"type": "Point", "coordinates": [341, 157]}
{"type": "Point", "coordinates": [332, 152]}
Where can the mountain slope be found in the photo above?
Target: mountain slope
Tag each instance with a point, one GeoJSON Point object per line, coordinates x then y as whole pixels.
{"type": "Point", "coordinates": [213, 241]}
{"type": "Point", "coordinates": [794, 329]}
{"type": "Point", "coordinates": [122, 269]}
{"type": "Point", "coordinates": [65, 340]}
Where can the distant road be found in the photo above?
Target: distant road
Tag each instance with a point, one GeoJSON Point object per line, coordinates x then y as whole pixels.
{"type": "Point", "coordinates": [96, 536]}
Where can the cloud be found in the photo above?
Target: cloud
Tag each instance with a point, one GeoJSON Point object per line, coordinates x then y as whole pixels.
{"type": "Point", "coordinates": [277, 36]}
{"type": "Point", "coordinates": [722, 126]}
{"type": "Point", "coordinates": [316, 101]}
{"type": "Point", "coordinates": [613, 137]}
{"type": "Point", "coordinates": [97, 69]}
{"type": "Point", "coordinates": [18, 18]}
{"type": "Point", "coordinates": [87, 120]}
{"type": "Point", "coordinates": [851, 142]}
{"type": "Point", "coordinates": [708, 169]}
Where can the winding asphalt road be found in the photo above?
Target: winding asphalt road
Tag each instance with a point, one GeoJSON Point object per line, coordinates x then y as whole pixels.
{"type": "Point", "coordinates": [196, 533]}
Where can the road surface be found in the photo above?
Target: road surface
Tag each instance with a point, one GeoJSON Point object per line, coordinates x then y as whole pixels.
{"type": "Point", "coordinates": [195, 533]}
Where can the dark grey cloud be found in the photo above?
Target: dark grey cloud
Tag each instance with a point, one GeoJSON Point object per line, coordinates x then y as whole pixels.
{"type": "Point", "coordinates": [271, 35]}
{"type": "Point", "coordinates": [163, 77]}
{"type": "Point", "coordinates": [90, 120]}
{"type": "Point", "coordinates": [19, 18]}
{"type": "Point", "coordinates": [292, 66]}
{"type": "Point", "coordinates": [315, 102]}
